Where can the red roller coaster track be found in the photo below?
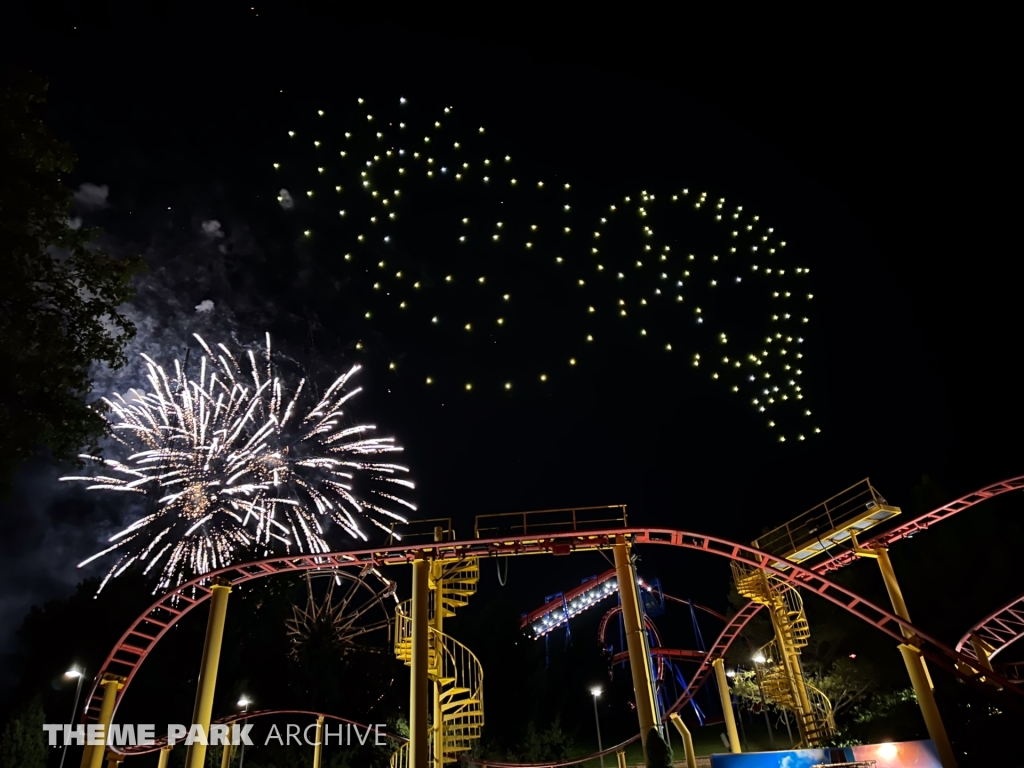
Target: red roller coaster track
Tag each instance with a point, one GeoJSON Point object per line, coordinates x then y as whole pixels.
{"type": "Point", "coordinates": [925, 521]}
{"type": "Point", "coordinates": [1004, 631]}
{"type": "Point", "coordinates": [146, 631]}
{"type": "Point", "coordinates": [160, 743]}
{"type": "Point", "coordinates": [1000, 628]}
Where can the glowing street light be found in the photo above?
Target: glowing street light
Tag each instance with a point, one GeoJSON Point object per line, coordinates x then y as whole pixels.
{"type": "Point", "coordinates": [595, 692]}
{"type": "Point", "coordinates": [244, 703]}
{"type": "Point", "coordinates": [71, 674]}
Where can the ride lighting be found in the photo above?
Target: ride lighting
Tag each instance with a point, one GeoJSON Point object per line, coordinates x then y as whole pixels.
{"type": "Point", "coordinates": [557, 616]}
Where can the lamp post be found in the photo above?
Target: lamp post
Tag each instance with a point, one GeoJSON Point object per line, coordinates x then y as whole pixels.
{"type": "Point", "coordinates": [758, 661]}
{"type": "Point", "coordinates": [244, 703]}
{"type": "Point", "coordinates": [80, 674]}
{"type": "Point", "coordinates": [595, 692]}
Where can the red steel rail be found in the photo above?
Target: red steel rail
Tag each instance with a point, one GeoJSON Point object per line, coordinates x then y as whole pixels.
{"type": "Point", "coordinates": [835, 561]}
{"type": "Point", "coordinates": [1000, 628]}
{"type": "Point", "coordinates": [924, 522]}
{"type": "Point", "coordinates": [146, 631]}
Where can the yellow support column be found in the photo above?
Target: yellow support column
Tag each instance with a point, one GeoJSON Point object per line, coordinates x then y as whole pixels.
{"type": "Point", "coordinates": [195, 756]}
{"type": "Point", "coordinates": [639, 662]}
{"type": "Point", "coordinates": [929, 709]}
{"type": "Point", "coordinates": [920, 678]}
{"type": "Point", "coordinates": [899, 606]}
{"type": "Point", "coordinates": [318, 747]}
{"type": "Point", "coordinates": [621, 759]}
{"type": "Point", "coordinates": [165, 756]}
{"type": "Point", "coordinates": [437, 624]}
{"type": "Point", "coordinates": [691, 757]}
{"type": "Point", "coordinates": [114, 759]}
{"type": "Point", "coordinates": [111, 684]}
{"type": "Point", "coordinates": [419, 735]}
{"type": "Point", "coordinates": [723, 691]}
{"type": "Point", "coordinates": [983, 650]}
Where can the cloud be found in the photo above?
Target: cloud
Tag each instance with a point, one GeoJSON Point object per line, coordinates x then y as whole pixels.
{"type": "Point", "coordinates": [205, 306]}
{"type": "Point", "coordinates": [75, 223]}
{"type": "Point", "coordinates": [284, 197]}
{"type": "Point", "coordinates": [92, 195]}
{"type": "Point", "coordinates": [212, 229]}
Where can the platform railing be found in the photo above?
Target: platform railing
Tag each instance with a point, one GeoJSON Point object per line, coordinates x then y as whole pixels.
{"type": "Point", "coordinates": [827, 516]}
{"type": "Point", "coordinates": [543, 521]}
{"type": "Point", "coordinates": [422, 530]}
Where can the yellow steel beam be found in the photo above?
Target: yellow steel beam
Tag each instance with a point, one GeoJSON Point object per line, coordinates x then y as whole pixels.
{"type": "Point", "coordinates": [639, 661]}
{"type": "Point", "coordinates": [93, 756]}
{"type": "Point", "coordinates": [419, 737]}
{"type": "Point", "coordinates": [920, 677]}
{"type": "Point", "coordinates": [691, 757]}
{"type": "Point", "coordinates": [929, 709]}
{"type": "Point", "coordinates": [195, 756]}
{"type": "Point", "coordinates": [730, 719]}
{"type": "Point", "coordinates": [318, 747]}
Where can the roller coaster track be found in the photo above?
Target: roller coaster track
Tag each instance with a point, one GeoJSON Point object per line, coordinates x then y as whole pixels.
{"type": "Point", "coordinates": [999, 629]}
{"type": "Point", "coordinates": [1006, 629]}
{"type": "Point", "coordinates": [924, 522]}
{"type": "Point", "coordinates": [145, 632]}
{"type": "Point", "coordinates": [160, 743]}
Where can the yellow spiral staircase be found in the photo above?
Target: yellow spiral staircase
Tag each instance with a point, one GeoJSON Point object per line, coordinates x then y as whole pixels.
{"type": "Point", "coordinates": [782, 678]}
{"type": "Point", "coordinates": [454, 670]}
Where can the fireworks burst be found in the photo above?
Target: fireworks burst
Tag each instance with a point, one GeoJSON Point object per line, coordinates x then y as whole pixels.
{"type": "Point", "coordinates": [232, 467]}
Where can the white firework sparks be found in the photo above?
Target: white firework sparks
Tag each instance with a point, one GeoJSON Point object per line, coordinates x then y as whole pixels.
{"type": "Point", "coordinates": [233, 468]}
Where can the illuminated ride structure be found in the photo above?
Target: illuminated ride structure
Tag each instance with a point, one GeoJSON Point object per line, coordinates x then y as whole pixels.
{"type": "Point", "coordinates": [445, 572]}
{"type": "Point", "coordinates": [669, 664]}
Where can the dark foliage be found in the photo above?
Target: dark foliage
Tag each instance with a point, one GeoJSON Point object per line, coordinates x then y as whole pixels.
{"type": "Point", "coordinates": [60, 296]}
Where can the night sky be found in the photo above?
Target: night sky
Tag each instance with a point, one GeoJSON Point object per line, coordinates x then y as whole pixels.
{"type": "Point", "coordinates": [879, 150]}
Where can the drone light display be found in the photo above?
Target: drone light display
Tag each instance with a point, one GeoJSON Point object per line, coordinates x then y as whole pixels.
{"type": "Point", "coordinates": [512, 279]}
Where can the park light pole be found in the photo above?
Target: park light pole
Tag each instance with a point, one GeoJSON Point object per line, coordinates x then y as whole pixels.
{"type": "Point", "coordinates": [595, 692]}
{"type": "Point", "coordinates": [244, 703]}
{"type": "Point", "coordinates": [759, 659]}
{"type": "Point", "coordinates": [71, 674]}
